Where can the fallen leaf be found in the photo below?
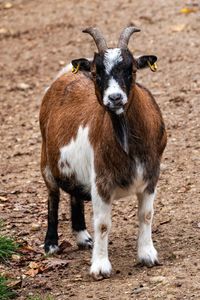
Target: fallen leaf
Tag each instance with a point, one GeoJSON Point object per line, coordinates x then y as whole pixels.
{"type": "Point", "coordinates": [27, 249]}
{"type": "Point", "coordinates": [34, 265]}
{"type": "Point", "coordinates": [52, 263]}
{"type": "Point", "coordinates": [188, 10]}
{"type": "Point", "coordinates": [32, 272]}
{"type": "Point", "coordinates": [15, 284]}
{"type": "Point", "coordinates": [63, 246]}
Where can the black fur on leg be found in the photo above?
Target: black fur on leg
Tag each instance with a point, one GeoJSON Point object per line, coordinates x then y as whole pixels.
{"type": "Point", "coordinates": [77, 214]}
{"type": "Point", "coordinates": [51, 239]}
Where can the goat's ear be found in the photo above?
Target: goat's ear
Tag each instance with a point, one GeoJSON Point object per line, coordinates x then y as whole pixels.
{"type": "Point", "coordinates": [146, 61]}
{"type": "Point", "coordinates": [81, 64]}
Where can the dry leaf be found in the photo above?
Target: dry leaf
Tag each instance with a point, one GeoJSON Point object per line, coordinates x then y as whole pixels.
{"type": "Point", "coordinates": [188, 10]}
{"type": "Point", "coordinates": [15, 284]}
{"type": "Point", "coordinates": [52, 263]}
{"type": "Point", "coordinates": [32, 272]}
{"type": "Point", "coordinates": [63, 246]}
{"type": "Point", "coordinates": [34, 265]}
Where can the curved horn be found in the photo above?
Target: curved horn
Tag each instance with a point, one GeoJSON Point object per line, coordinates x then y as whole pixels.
{"type": "Point", "coordinates": [125, 36]}
{"type": "Point", "coordinates": [98, 38]}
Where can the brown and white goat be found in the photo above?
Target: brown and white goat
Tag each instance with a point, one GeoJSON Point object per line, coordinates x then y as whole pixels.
{"type": "Point", "coordinates": [102, 138]}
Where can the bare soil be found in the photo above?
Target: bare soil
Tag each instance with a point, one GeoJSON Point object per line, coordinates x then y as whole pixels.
{"type": "Point", "coordinates": [36, 39]}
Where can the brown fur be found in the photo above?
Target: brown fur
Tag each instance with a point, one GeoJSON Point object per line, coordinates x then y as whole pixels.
{"type": "Point", "coordinates": [71, 102]}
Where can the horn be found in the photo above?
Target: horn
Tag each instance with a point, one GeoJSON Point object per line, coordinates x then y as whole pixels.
{"type": "Point", "coordinates": [125, 36]}
{"type": "Point", "coordinates": [98, 38]}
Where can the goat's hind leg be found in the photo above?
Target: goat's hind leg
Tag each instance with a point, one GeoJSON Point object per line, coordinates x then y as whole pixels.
{"type": "Point", "coordinates": [51, 239]}
{"type": "Point", "coordinates": [147, 254]}
{"type": "Point", "coordinates": [83, 238]}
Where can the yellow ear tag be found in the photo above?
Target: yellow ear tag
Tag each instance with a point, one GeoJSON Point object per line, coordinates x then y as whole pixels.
{"type": "Point", "coordinates": [153, 67]}
{"type": "Point", "coordinates": [75, 70]}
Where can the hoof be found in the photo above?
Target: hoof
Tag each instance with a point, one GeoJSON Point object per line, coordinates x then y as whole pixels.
{"type": "Point", "coordinates": [101, 269]}
{"type": "Point", "coordinates": [147, 256]}
{"type": "Point", "coordinates": [84, 240]}
{"type": "Point", "coordinates": [51, 249]}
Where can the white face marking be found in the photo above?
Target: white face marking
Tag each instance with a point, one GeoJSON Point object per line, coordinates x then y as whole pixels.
{"type": "Point", "coordinates": [49, 177]}
{"type": "Point", "coordinates": [146, 252]}
{"type": "Point", "coordinates": [113, 88]}
{"type": "Point", "coordinates": [111, 58]}
{"type": "Point", "coordinates": [75, 158]}
{"type": "Point", "coordinates": [102, 225]}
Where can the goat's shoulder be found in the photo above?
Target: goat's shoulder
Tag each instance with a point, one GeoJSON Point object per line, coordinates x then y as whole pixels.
{"type": "Point", "coordinates": [150, 117]}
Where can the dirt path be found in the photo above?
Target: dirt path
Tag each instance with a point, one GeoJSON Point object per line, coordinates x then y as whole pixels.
{"type": "Point", "coordinates": [36, 39]}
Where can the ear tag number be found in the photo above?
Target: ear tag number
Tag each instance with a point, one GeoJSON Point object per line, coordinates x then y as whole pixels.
{"type": "Point", "coordinates": [75, 70]}
{"type": "Point", "coordinates": [153, 67]}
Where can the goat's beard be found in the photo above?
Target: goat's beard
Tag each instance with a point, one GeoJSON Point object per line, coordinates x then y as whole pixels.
{"type": "Point", "coordinates": [121, 130]}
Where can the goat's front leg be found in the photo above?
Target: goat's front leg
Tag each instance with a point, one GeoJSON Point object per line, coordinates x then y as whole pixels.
{"type": "Point", "coordinates": [147, 254]}
{"type": "Point", "coordinates": [101, 267]}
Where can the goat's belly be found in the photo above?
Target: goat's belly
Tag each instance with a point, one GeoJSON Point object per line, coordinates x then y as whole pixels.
{"type": "Point", "coordinates": [138, 186]}
{"type": "Point", "coordinates": [76, 159]}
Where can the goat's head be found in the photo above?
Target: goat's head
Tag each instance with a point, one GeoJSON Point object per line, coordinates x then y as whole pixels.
{"type": "Point", "coordinates": [113, 69]}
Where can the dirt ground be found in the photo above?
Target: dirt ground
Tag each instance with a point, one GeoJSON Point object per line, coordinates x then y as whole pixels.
{"type": "Point", "coordinates": [36, 39]}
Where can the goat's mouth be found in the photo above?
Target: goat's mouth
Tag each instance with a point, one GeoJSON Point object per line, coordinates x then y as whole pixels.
{"type": "Point", "coordinates": [118, 110]}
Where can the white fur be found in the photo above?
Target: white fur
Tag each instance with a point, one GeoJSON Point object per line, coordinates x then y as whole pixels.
{"type": "Point", "coordinates": [53, 249]}
{"type": "Point", "coordinates": [146, 251]}
{"type": "Point", "coordinates": [102, 216]}
{"type": "Point", "coordinates": [83, 237]}
{"type": "Point", "coordinates": [113, 87]}
{"type": "Point", "coordinates": [111, 58]}
{"type": "Point", "coordinates": [78, 153]}
{"type": "Point", "coordinates": [66, 69]}
{"type": "Point", "coordinates": [49, 177]}
{"type": "Point", "coordinates": [138, 185]}
{"type": "Point", "coordinates": [119, 111]}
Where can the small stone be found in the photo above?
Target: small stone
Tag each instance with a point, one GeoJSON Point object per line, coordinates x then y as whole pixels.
{"type": "Point", "coordinates": [61, 62]}
{"type": "Point", "coordinates": [140, 289]}
{"type": "Point", "coordinates": [157, 279]}
{"type": "Point", "coordinates": [23, 86]}
{"type": "Point", "coordinates": [35, 227]}
{"type": "Point", "coordinates": [8, 5]}
{"type": "Point", "coordinates": [3, 30]}
{"type": "Point", "coordinates": [16, 257]}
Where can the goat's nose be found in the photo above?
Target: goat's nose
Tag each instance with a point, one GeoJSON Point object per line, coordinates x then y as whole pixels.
{"type": "Point", "coordinates": [115, 98]}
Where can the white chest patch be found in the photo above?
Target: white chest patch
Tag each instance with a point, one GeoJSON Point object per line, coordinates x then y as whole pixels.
{"type": "Point", "coordinates": [138, 185]}
{"type": "Point", "coordinates": [111, 58]}
{"type": "Point", "coordinates": [76, 158]}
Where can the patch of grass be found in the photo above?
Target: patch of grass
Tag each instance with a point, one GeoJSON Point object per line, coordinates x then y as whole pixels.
{"type": "Point", "coordinates": [38, 297]}
{"type": "Point", "coordinates": [7, 247]}
{"type": "Point", "coordinates": [5, 292]}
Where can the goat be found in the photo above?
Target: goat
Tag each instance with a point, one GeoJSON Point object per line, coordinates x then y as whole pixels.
{"type": "Point", "coordinates": [103, 136]}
